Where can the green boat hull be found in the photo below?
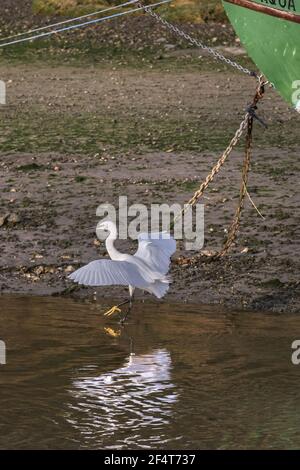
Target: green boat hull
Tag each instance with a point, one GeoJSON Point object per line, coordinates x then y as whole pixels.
{"type": "Point", "coordinates": [270, 32]}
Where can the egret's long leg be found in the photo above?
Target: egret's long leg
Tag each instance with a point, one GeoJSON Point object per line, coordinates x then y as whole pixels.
{"type": "Point", "coordinates": [126, 314]}
{"type": "Point", "coordinates": [131, 296]}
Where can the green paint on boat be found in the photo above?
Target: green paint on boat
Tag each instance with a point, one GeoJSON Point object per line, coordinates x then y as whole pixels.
{"type": "Point", "coordinates": [273, 43]}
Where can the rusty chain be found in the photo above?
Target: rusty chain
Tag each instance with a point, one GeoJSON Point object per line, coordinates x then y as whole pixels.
{"type": "Point", "coordinates": [234, 227]}
{"type": "Point", "coordinates": [247, 123]}
{"type": "Point", "coordinates": [195, 42]}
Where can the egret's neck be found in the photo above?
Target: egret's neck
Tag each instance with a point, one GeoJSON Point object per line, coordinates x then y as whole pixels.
{"type": "Point", "coordinates": [109, 243]}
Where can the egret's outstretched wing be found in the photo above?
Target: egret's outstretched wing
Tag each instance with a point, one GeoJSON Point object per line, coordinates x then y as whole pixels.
{"type": "Point", "coordinates": [155, 250]}
{"type": "Point", "coordinates": [106, 272]}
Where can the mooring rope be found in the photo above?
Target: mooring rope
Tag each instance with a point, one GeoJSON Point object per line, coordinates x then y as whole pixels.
{"type": "Point", "coordinates": [234, 227]}
{"type": "Point", "coordinates": [253, 203]}
{"type": "Point", "coordinates": [80, 25]}
{"type": "Point", "coordinates": [71, 20]}
{"type": "Point", "coordinates": [246, 123]}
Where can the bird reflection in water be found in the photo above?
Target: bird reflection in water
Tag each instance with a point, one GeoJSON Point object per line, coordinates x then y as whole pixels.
{"type": "Point", "coordinates": [130, 404]}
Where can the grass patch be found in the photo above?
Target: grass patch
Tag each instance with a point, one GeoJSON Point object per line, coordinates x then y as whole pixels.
{"type": "Point", "coordinates": [272, 283]}
{"type": "Point", "coordinates": [84, 52]}
{"type": "Point", "coordinates": [189, 186]}
{"type": "Point", "coordinates": [80, 179]}
{"type": "Point", "coordinates": [59, 132]}
{"type": "Point", "coordinates": [67, 7]}
{"type": "Point", "coordinates": [30, 167]}
{"type": "Point", "coordinates": [67, 133]}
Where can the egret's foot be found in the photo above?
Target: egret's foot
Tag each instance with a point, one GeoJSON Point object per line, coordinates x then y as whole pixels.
{"type": "Point", "coordinates": [111, 311]}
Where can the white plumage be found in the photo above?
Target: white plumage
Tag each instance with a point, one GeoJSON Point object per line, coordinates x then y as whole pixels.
{"type": "Point", "coordinates": [106, 272]}
{"type": "Point", "coordinates": [147, 269]}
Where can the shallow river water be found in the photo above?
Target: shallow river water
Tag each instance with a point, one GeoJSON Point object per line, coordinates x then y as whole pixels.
{"type": "Point", "coordinates": [178, 376]}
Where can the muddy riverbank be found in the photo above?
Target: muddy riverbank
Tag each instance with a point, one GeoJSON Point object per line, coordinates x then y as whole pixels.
{"type": "Point", "coordinates": [81, 130]}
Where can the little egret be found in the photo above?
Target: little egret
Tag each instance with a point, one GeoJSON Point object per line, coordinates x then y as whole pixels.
{"type": "Point", "coordinates": [147, 269]}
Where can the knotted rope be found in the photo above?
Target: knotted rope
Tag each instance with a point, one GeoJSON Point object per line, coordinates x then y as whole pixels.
{"type": "Point", "coordinates": [251, 115]}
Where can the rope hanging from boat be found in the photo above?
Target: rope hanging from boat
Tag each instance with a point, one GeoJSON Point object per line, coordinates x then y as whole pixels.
{"type": "Point", "coordinates": [251, 115]}
{"type": "Point", "coordinates": [247, 123]}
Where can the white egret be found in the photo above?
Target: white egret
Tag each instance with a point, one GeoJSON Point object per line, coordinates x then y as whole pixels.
{"type": "Point", "coordinates": [147, 269]}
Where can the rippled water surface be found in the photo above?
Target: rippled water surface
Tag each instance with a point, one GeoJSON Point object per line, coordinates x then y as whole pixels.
{"type": "Point", "coordinates": [176, 377]}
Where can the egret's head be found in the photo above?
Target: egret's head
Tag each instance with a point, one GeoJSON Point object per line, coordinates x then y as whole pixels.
{"type": "Point", "coordinates": [104, 228]}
